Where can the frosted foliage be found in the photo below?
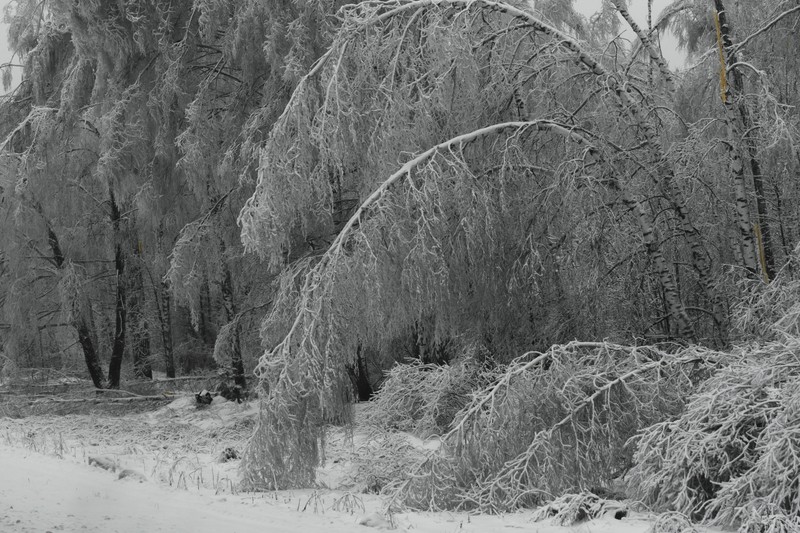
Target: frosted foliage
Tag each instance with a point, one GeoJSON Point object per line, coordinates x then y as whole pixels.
{"type": "Point", "coordinates": [672, 522]}
{"type": "Point", "coordinates": [192, 261]}
{"type": "Point", "coordinates": [733, 452]}
{"type": "Point", "coordinates": [361, 111]}
{"type": "Point", "coordinates": [71, 292]}
{"type": "Point", "coordinates": [225, 343]}
{"type": "Point", "coordinates": [424, 398]}
{"type": "Point", "coordinates": [571, 509]}
{"type": "Point", "coordinates": [476, 207]}
{"type": "Point", "coordinates": [552, 423]}
{"type": "Point", "coordinates": [772, 311]}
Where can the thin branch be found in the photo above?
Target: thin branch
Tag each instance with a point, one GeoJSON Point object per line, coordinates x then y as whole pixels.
{"type": "Point", "coordinates": [648, 44]}
{"type": "Point", "coordinates": [765, 28]}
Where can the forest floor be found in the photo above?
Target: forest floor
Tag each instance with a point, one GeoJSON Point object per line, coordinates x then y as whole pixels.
{"type": "Point", "coordinates": [166, 471]}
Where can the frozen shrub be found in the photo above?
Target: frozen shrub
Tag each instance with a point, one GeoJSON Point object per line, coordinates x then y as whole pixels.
{"type": "Point", "coordinates": [571, 509]}
{"type": "Point", "coordinates": [672, 522]}
{"type": "Point", "coordinates": [770, 312]}
{"type": "Point", "coordinates": [552, 423]}
{"type": "Point", "coordinates": [767, 519]}
{"type": "Point", "coordinates": [731, 456]}
{"type": "Point", "coordinates": [423, 398]}
{"type": "Point", "coordinates": [735, 446]}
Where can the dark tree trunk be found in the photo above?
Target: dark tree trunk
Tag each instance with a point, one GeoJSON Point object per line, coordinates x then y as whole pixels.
{"type": "Point", "coordinates": [141, 351]}
{"type": "Point", "coordinates": [230, 313]}
{"type": "Point", "coordinates": [360, 377]}
{"type": "Point", "coordinates": [165, 319]}
{"type": "Point", "coordinates": [78, 322]}
{"type": "Point", "coordinates": [89, 353]}
{"type": "Point", "coordinates": [118, 348]}
{"type": "Point", "coordinates": [140, 327]}
{"type": "Point", "coordinates": [161, 296]}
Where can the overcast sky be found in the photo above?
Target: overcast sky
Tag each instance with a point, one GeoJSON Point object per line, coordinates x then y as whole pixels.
{"type": "Point", "coordinates": [638, 9]}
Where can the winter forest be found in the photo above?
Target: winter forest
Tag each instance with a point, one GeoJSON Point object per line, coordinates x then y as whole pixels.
{"type": "Point", "coordinates": [507, 226]}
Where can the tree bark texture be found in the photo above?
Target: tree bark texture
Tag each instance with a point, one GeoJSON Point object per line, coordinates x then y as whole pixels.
{"type": "Point", "coordinates": [120, 308]}
{"type": "Point", "coordinates": [138, 318]}
{"type": "Point", "coordinates": [230, 312]}
{"type": "Point", "coordinates": [739, 120]}
{"type": "Point", "coordinates": [165, 322]}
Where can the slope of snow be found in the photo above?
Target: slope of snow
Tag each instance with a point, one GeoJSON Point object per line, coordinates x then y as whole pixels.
{"type": "Point", "coordinates": [185, 487]}
{"type": "Point", "coordinates": [39, 493]}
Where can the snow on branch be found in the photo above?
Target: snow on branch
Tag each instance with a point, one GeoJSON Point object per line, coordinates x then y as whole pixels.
{"type": "Point", "coordinates": [554, 422]}
{"type": "Point", "coordinates": [766, 27]}
{"type": "Point", "coordinates": [313, 311]}
{"type": "Point", "coordinates": [410, 97]}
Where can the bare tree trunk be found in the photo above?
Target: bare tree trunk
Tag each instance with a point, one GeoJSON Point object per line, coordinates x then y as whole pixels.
{"type": "Point", "coordinates": [650, 47]}
{"type": "Point", "coordinates": [79, 321]}
{"type": "Point", "coordinates": [739, 121]}
{"type": "Point", "coordinates": [359, 376]}
{"type": "Point", "coordinates": [120, 309]}
{"type": "Point", "coordinates": [165, 321]}
{"type": "Point", "coordinates": [230, 313]}
{"type": "Point", "coordinates": [138, 318]}
{"type": "Point", "coordinates": [161, 294]}
{"type": "Point", "coordinates": [89, 353]}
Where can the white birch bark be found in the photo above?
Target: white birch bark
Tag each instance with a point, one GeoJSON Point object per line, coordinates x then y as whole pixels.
{"type": "Point", "coordinates": [743, 222]}
{"type": "Point", "coordinates": [649, 46]}
{"type": "Point", "coordinates": [738, 121]}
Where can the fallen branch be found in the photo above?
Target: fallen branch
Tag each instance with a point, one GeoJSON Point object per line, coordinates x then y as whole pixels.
{"type": "Point", "coordinates": [184, 378]}
{"type": "Point", "coordinates": [105, 400]}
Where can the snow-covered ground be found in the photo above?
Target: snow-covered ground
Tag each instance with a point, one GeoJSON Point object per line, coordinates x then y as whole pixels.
{"type": "Point", "coordinates": [175, 482]}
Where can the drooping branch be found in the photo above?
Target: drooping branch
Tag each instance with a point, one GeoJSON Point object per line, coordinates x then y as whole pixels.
{"type": "Point", "coordinates": [299, 369]}
{"type": "Point", "coordinates": [336, 248]}
{"type": "Point", "coordinates": [360, 17]}
{"type": "Point", "coordinates": [765, 28]}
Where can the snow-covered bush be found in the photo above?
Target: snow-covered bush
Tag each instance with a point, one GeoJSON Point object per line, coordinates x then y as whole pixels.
{"type": "Point", "coordinates": [424, 398]}
{"type": "Point", "coordinates": [770, 312]}
{"type": "Point", "coordinates": [732, 455]}
{"type": "Point", "coordinates": [769, 520]}
{"type": "Point", "coordinates": [672, 522]}
{"type": "Point", "coordinates": [571, 509]}
{"type": "Point", "coordinates": [734, 448]}
{"type": "Point", "coordinates": [552, 423]}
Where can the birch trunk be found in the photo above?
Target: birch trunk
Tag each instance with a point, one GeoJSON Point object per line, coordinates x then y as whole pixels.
{"type": "Point", "coordinates": [647, 43]}
{"type": "Point", "coordinates": [737, 121]}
